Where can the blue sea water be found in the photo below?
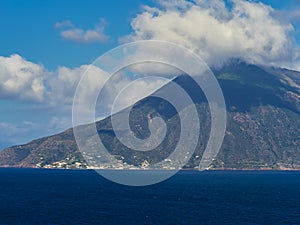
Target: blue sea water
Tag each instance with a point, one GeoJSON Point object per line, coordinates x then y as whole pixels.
{"type": "Point", "coordinates": [29, 196]}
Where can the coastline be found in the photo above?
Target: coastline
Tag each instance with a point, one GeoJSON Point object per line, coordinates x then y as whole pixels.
{"type": "Point", "coordinates": [145, 170]}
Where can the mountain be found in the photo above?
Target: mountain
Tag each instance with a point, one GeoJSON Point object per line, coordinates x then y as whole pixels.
{"type": "Point", "coordinates": [263, 126]}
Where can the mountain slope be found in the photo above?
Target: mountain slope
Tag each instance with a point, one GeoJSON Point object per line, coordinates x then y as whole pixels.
{"type": "Point", "coordinates": [263, 130]}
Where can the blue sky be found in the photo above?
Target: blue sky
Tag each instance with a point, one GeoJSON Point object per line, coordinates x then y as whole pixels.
{"type": "Point", "coordinates": [28, 28]}
{"type": "Point", "coordinates": [52, 38]}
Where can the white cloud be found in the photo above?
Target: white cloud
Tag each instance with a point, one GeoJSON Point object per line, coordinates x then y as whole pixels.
{"type": "Point", "coordinates": [248, 31]}
{"type": "Point", "coordinates": [21, 79]}
{"type": "Point", "coordinates": [62, 84]}
{"type": "Point", "coordinates": [70, 32]}
{"type": "Point", "coordinates": [63, 87]}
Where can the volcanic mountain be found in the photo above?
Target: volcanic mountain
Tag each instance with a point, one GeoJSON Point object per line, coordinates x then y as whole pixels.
{"type": "Point", "coordinates": [263, 126]}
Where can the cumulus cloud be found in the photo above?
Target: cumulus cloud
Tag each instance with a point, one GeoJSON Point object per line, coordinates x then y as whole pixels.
{"type": "Point", "coordinates": [247, 30]}
{"type": "Point", "coordinates": [70, 32]}
{"type": "Point", "coordinates": [21, 79]}
{"type": "Point", "coordinates": [63, 84]}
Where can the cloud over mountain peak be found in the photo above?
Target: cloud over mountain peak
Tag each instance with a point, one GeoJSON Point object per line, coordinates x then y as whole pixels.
{"type": "Point", "coordinates": [217, 32]}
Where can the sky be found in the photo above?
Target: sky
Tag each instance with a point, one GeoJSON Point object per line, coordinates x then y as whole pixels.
{"type": "Point", "coordinates": [47, 46]}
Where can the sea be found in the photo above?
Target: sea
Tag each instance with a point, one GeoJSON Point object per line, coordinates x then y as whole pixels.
{"type": "Point", "coordinates": [48, 197]}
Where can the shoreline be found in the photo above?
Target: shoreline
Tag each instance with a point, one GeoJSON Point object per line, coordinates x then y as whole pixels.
{"type": "Point", "coordinates": [145, 170]}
